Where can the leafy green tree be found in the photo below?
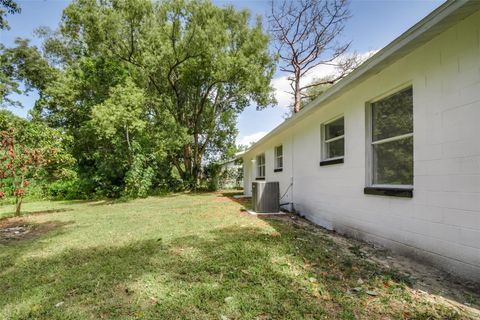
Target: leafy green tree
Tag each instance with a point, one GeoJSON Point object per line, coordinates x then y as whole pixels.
{"type": "Point", "coordinates": [319, 86]}
{"type": "Point", "coordinates": [122, 113]}
{"type": "Point", "coordinates": [53, 144]}
{"type": "Point", "coordinates": [23, 64]}
{"type": "Point", "coordinates": [68, 103]}
{"type": "Point", "coordinates": [8, 85]}
{"type": "Point", "coordinates": [143, 93]}
{"type": "Point", "coordinates": [7, 7]}
{"type": "Point", "coordinates": [121, 119]}
{"type": "Point", "coordinates": [199, 64]}
{"type": "Point", "coordinates": [17, 163]}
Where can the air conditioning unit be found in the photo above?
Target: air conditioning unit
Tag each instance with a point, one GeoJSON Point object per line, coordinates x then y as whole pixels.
{"type": "Point", "coordinates": [265, 197]}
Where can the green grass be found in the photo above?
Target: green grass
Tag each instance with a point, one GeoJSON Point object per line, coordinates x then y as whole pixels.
{"type": "Point", "coordinates": [190, 257]}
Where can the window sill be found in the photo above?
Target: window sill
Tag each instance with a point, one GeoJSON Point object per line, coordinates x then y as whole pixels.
{"type": "Point", "coordinates": [330, 162]}
{"type": "Point", "coordinates": [259, 178]}
{"type": "Point", "coordinates": [278, 170]}
{"type": "Point", "coordinates": [391, 192]}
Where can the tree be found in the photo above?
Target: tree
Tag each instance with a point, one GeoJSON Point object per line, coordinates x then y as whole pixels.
{"type": "Point", "coordinates": [121, 119]}
{"type": "Point", "coordinates": [317, 88]}
{"type": "Point", "coordinates": [307, 34]}
{"type": "Point", "coordinates": [8, 85]}
{"type": "Point", "coordinates": [17, 164]}
{"type": "Point", "coordinates": [199, 66]}
{"type": "Point", "coordinates": [122, 113]}
{"type": "Point", "coordinates": [7, 7]}
{"type": "Point", "coordinates": [58, 167]}
{"type": "Point", "coordinates": [22, 64]}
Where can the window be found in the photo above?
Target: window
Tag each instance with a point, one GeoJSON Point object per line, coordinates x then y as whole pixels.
{"type": "Point", "coordinates": [333, 141]}
{"type": "Point", "coordinates": [261, 166]}
{"type": "Point", "coordinates": [278, 158]}
{"type": "Point", "coordinates": [391, 143]}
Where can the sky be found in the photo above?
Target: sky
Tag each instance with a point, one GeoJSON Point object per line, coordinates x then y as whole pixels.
{"type": "Point", "coordinates": [373, 25]}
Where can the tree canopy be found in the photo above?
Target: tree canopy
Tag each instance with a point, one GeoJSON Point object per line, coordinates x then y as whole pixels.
{"type": "Point", "coordinates": [147, 91]}
{"type": "Point", "coordinates": [7, 7]}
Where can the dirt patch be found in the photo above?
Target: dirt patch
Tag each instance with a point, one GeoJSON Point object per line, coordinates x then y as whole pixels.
{"type": "Point", "coordinates": [35, 213]}
{"type": "Point", "coordinates": [423, 280]}
{"type": "Point", "coordinates": [15, 230]}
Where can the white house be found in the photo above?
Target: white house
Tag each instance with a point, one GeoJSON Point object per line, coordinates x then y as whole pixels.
{"type": "Point", "coordinates": [391, 153]}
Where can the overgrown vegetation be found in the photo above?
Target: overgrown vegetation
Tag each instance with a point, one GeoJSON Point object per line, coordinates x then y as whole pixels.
{"type": "Point", "coordinates": [193, 256]}
{"type": "Point", "coordinates": [145, 93]}
{"type": "Point", "coordinates": [32, 158]}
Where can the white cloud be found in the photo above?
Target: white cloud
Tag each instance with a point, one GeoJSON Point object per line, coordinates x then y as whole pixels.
{"type": "Point", "coordinates": [247, 140]}
{"type": "Point", "coordinates": [282, 87]}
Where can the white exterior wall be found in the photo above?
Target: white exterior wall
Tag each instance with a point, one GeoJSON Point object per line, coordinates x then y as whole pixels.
{"type": "Point", "coordinates": [284, 177]}
{"type": "Point", "coordinates": [441, 223]}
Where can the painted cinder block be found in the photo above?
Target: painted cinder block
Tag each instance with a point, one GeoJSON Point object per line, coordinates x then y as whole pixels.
{"type": "Point", "coordinates": [462, 218]}
{"type": "Point", "coordinates": [441, 223]}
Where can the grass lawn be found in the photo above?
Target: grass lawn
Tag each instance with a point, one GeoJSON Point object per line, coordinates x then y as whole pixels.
{"type": "Point", "coordinates": [191, 257]}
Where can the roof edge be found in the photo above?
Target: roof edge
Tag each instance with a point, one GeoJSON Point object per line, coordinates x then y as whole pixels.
{"type": "Point", "coordinates": [387, 55]}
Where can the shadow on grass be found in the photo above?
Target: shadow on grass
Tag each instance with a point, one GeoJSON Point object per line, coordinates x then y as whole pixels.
{"type": "Point", "coordinates": [7, 216]}
{"type": "Point", "coordinates": [105, 202]}
{"type": "Point", "coordinates": [87, 280]}
{"type": "Point", "coordinates": [112, 201]}
{"type": "Point", "coordinates": [463, 294]}
{"type": "Point", "coordinates": [189, 278]}
{"type": "Point", "coordinates": [245, 202]}
{"type": "Point", "coordinates": [236, 272]}
{"type": "Point", "coordinates": [46, 211]}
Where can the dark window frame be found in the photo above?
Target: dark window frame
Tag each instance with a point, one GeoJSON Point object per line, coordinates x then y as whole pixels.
{"type": "Point", "coordinates": [331, 162]}
{"type": "Point", "coordinates": [391, 192]}
{"type": "Point", "coordinates": [398, 190]}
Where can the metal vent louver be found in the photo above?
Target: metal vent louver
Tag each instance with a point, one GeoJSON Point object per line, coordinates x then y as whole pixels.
{"type": "Point", "coordinates": [265, 197]}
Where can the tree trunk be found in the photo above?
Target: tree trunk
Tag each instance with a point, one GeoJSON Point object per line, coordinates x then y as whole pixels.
{"type": "Point", "coordinates": [297, 97]}
{"type": "Point", "coordinates": [129, 146]}
{"type": "Point", "coordinates": [189, 164]}
{"type": "Point", "coordinates": [192, 161]}
{"type": "Point", "coordinates": [18, 206]}
{"type": "Point", "coordinates": [197, 170]}
{"type": "Point", "coordinates": [19, 197]}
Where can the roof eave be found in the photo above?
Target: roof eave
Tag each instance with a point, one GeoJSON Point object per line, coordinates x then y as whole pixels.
{"type": "Point", "coordinates": [433, 24]}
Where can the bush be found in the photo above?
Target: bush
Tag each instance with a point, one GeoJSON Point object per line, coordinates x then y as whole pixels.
{"type": "Point", "coordinates": [212, 176]}
{"type": "Point", "coordinates": [68, 189]}
{"type": "Point", "coordinates": [139, 179]}
{"type": "Point", "coordinates": [168, 184]}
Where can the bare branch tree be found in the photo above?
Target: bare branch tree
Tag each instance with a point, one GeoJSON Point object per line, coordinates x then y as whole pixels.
{"type": "Point", "coordinates": [306, 34]}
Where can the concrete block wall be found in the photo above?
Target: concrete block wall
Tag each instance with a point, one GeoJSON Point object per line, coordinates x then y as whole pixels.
{"type": "Point", "coordinates": [441, 223]}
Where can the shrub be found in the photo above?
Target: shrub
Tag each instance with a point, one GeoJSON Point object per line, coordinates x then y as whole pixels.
{"type": "Point", "coordinates": [212, 173]}
{"type": "Point", "coordinates": [69, 189]}
{"type": "Point", "coordinates": [139, 178]}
